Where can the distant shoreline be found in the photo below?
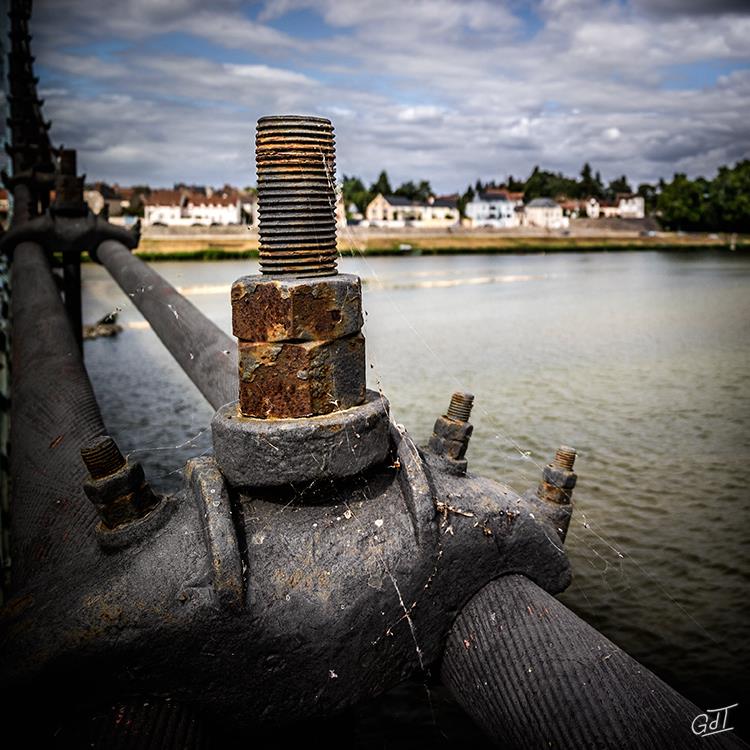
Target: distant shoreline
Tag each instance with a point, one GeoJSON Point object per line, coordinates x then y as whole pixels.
{"type": "Point", "coordinates": [237, 246]}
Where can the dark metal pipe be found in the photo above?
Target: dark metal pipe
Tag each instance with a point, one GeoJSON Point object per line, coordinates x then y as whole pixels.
{"type": "Point", "coordinates": [206, 354]}
{"type": "Point", "coordinates": [21, 205]}
{"type": "Point", "coordinates": [532, 674]}
{"type": "Point", "coordinates": [72, 291]}
{"type": "Point", "coordinates": [53, 413]}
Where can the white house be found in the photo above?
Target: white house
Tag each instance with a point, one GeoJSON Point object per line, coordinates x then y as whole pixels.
{"type": "Point", "coordinates": [492, 210]}
{"type": "Point", "coordinates": [182, 208]}
{"type": "Point", "coordinates": [163, 207]}
{"type": "Point", "coordinates": [393, 211]}
{"type": "Point", "coordinates": [631, 206]}
{"type": "Point", "coordinates": [397, 211]}
{"type": "Point", "coordinates": [441, 212]}
{"type": "Point", "coordinates": [545, 213]}
{"type": "Point", "coordinates": [625, 206]}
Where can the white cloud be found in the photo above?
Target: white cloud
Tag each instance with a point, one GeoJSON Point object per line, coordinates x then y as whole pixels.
{"type": "Point", "coordinates": [444, 90]}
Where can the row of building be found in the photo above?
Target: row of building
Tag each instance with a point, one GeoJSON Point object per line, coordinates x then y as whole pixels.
{"type": "Point", "coordinates": [498, 208]}
{"type": "Point", "coordinates": [495, 207]}
{"type": "Point", "coordinates": [182, 206]}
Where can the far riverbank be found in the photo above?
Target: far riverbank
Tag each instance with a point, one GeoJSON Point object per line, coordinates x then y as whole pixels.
{"type": "Point", "coordinates": [242, 242]}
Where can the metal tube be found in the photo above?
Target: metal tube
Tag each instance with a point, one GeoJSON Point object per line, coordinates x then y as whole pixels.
{"type": "Point", "coordinates": [532, 674]}
{"type": "Point", "coordinates": [53, 413]}
{"type": "Point", "coordinates": [72, 291]}
{"type": "Point", "coordinates": [206, 354]}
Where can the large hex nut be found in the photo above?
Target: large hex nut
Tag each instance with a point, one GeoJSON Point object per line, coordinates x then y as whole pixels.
{"type": "Point", "coordinates": [301, 379]}
{"type": "Point", "coordinates": [268, 309]}
{"type": "Point", "coordinates": [275, 452]}
{"type": "Point", "coordinates": [558, 477]}
{"type": "Point", "coordinates": [455, 449]}
{"type": "Point", "coordinates": [451, 429]}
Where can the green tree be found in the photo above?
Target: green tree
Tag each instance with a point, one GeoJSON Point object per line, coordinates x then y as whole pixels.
{"type": "Point", "coordinates": [649, 193]}
{"type": "Point", "coordinates": [619, 185]}
{"type": "Point", "coordinates": [729, 199]}
{"type": "Point", "coordinates": [544, 184]}
{"type": "Point", "coordinates": [381, 185]}
{"type": "Point", "coordinates": [682, 203]}
{"type": "Point", "coordinates": [589, 185]}
{"type": "Point", "coordinates": [467, 197]}
{"type": "Point", "coordinates": [355, 192]}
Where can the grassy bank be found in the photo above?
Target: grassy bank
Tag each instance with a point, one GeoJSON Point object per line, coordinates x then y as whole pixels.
{"type": "Point", "coordinates": [186, 248]}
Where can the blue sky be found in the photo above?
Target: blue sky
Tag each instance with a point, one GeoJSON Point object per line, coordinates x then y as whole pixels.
{"type": "Point", "coordinates": [159, 91]}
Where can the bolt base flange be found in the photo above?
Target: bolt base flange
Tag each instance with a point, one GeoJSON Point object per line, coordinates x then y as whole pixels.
{"type": "Point", "coordinates": [275, 452]}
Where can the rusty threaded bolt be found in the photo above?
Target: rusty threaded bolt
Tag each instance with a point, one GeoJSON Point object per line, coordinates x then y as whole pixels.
{"type": "Point", "coordinates": [460, 406]}
{"type": "Point", "coordinates": [565, 457]}
{"type": "Point", "coordinates": [296, 164]}
{"type": "Point", "coordinates": [102, 457]}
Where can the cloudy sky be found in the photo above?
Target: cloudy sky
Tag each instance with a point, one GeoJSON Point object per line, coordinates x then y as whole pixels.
{"type": "Point", "coordinates": [160, 91]}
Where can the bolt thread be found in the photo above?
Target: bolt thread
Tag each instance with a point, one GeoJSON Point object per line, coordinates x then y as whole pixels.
{"type": "Point", "coordinates": [296, 162]}
{"type": "Point", "coordinates": [460, 406]}
{"type": "Point", "coordinates": [565, 457]}
{"type": "Point", "coordinates": [102, 457]}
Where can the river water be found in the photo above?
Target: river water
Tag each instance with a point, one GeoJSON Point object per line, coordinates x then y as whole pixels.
{"type": "Point", "coordinates": [641, 360]}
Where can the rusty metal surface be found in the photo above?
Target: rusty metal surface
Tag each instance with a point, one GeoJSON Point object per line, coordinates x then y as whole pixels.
{"type": "Point", "coordinates": [282, 380]}
{"type": "Point", "coordinates": [122, 496]}
{"type": "Point", "coordinates": [558, 477]}
{"type": "Point", "coordinates": [460, 406]}
{"type": "Point", "coordinates": [290, 309]}
{"type": "Point", "coordinates": [278, 452]}
{"type": "Point", "coordinates": [295, 161]}
{"type": "Point", "coordinates": [452, 432]}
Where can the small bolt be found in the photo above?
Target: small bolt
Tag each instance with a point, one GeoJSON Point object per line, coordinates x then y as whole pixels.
{"type": "Point", "coordinates": [460, 406]}
{"type": "Point", "coordinates": [565, 457]}
{"type": "Point", "coordinates": [102, 457]}
{"type": "Point", "coordinates": [296, 164]}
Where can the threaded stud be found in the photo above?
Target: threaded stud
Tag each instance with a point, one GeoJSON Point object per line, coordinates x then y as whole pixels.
{"type": "Point", "coordinates": [102, 457]}
{"type": "Point", "coordinates": [296, 164]}
{"type": "Point", "coordinates": [460, 406]}
{"type": "Point", "coordinates": [565, 457]}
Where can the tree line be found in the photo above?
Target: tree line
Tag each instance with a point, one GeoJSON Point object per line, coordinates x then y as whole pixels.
{"type": "Point", "coordinates": [720, 204]}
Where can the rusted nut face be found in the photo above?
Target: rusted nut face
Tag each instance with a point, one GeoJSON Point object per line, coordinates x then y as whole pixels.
{"type": "Point", "coordinates": [285, 309]}
{"type": "Point", "coordinates": [558, 477]}
{"type": "Point", "coordinates": [450, 429]}
{"type": "Point", "coordinates": [455, 449]}
{"type": "Point", "coordinates": [275, 452]}
{"type": "Point", "coordinates": [301, 379]}
{"type": "Point", "coordinates": [557, 484]}
{"type": "Point", "coordinates": [121, 497]}
{"type": "Point", "coordinates": [554, 494]}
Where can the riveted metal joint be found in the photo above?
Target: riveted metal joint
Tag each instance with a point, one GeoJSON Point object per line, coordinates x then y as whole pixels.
{"type": "Point", "coordinates": [452, 431]}
{"type": "Point", "coordinates": [116, 487]}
